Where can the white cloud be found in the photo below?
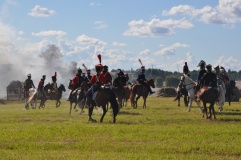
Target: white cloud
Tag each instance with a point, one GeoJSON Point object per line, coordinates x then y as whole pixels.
{"type": "Point", "coordinates": [171, 50]}
{"type": "Point", "coordinates": [94, 4]}
{"type": "Point", "coordinates": [39, 11]}
{"type": "Point", "coordinates": [58, 34]}
{"type": "Point", "coordinates": [145, 52]}
{"type": "Point", "coordinates": [156, 27]}
{"type": "Point", "coordinates": [227, 11]}
{"type": "Point", "coordinates": [119, 44]}
{"type": "Point", "coordinates": [85, 40]}
{"type": "Point", "coordinates": [100, 25]}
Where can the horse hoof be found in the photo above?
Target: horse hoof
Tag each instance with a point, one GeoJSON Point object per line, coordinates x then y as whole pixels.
{"type": "Point", "coordinates": [92, 120]}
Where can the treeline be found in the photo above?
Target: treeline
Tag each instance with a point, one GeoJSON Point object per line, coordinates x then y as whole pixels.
{"type": "Point", "coordinates": [171, 79]}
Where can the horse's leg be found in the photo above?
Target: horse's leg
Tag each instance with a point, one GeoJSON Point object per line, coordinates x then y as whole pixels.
{"type": "Point", "coordinates": [205, 110]}
{"type": "Point", "coordinates": [144, 104]}
{"type": "Point", "coordinates": [214, 116]}
{"type": "Point", "coordinates": [104, 112]}
{"type": "Point", "coordinates": [190, 105]}
{"type": "Point", "coordinates": [70, 107]}
{"type": "Point", "coordinates": [58, 103]}
{"type": "Point", "coordinates": [185, 100]}
{"type": "Point", "coordinates": [178, 101]}
{"type": "Point", "coordinates": [137, 100]}
{"type": "Point", "coordinates": [91, 107]}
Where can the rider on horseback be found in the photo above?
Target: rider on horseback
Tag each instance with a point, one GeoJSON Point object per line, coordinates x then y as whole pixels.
{"type": "Point", "coordinates": [201, 73]}
{"type": "Point", "coordinates": [224, 75]}
{"type": "Point", "coordinates": [106, 77]}
{"type": "Point", "coordinates": [27, 85]}
{"type": "Point", "coordinates": [95, 82]}
{"type": "Point", "coordinates": [41, 88]}
{"type": "Point", "coordinates": [120, 81]}
{"type": "Point", "coordinates": [180, 85]}
{"type": "Point", "coordinates": [75, 83]}
{"type": "Point", "coordinates": [142, 79]}
{"type": "Point", "coordinates": [54, 83]}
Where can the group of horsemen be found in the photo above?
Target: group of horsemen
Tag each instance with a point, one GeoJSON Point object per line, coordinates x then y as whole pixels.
{"type": "Point", "coordinates": [206, 77]}
{"type": "Point", "coordinates": [102, 77]}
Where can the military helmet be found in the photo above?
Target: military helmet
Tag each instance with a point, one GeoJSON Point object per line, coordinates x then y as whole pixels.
{"type": "Point", "coordinates": [209, 67]}
{"type": "Point", "coordinates": [29, 75]}
{"type": "Point", "coordinates": [202, 63]}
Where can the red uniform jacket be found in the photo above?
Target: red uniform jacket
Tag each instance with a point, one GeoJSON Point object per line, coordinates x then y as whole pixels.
{"type": "Point", "coordinates": [96, 79]}
{"type": "Point", "coordinates": [41, 84]}
{"type": "Point", "coordinates": [105, 78]}
{"type": "Point", "coordinates": [75, 82]}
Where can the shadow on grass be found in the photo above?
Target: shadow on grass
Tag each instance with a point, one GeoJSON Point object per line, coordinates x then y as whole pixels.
{"type": "Point", "coordinates": [129, 113]}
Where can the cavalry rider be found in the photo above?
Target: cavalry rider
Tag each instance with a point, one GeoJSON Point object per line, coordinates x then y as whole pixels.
{"type": "Point", "coordinates": [41, 88]}
{"type": "Point", "coordinates": [27, 85]}
{"type": "Point", "coordinates": [185, 69]}
{"type": "Point", "coordinates": [106, 77]}
{"type": "Point", "coordinates": [54, 81]}
{"type": "Point", "coordinates": [95, 82]}
{"type": "Point", "coordinates": [181, 86]}
{"type": "Point", "coordinates": [201, 73]}
{"type": "Point", "coordinates": [224, 75]}
{"type": "Point", "coordinates": [120, 80]}
{"type": "Point", "coordinates": [126, 76]}
{"type": "Point", "coordinates": [76, 82]}
{"type": "Point", "coordinates": [142, 79]}
{"type": "Point", "coordinates": [87, 78]}
{"type": "Point", "coordinates": [209, 79]}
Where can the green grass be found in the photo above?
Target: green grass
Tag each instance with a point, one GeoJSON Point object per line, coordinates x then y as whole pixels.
{"type": "Point", "coordinates": [161, 131]}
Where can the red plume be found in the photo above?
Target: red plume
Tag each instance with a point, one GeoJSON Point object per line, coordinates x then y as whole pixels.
{"type": "Point", "coordinates": [55, 74]}
{"type": "Point", "coordinates": [99, 57]}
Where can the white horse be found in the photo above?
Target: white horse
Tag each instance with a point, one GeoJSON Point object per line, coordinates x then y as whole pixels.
{"type": "Point", "coordinates": [31, 100]}
{"type": "Point", "coordinates": [190, 84]}
{"type": "Point", "coordinates": [221, 95]}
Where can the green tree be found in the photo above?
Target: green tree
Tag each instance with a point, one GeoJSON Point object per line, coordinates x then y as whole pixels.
{"type": "Point", "coordinates": [172, 81]}
{"type": "Point", "coordinates": [159, 82]}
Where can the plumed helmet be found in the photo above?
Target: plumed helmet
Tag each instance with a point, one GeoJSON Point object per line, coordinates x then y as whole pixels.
{"type": "Point", "coordinates": [120, 73]}
{"type": "Point", "coordinates": [202, 63]}
{"type": "Point", "coordinates": [54, 77]}
{"type": "Point", "coordinates": [105, 68]}
{"type": "Point", "coordinates": [79, 70]}
{"type": "Point", "coordinates": [217, 67]}
{"type": "Point", "coordinates": [29, 75]}
{"type": "Point", "coordinates": [209, 67]}
{"type": "Point", "coordinates": [88, 71]}
{"type": "Point", "coordinates": [98, 67]}
{"type": "Point", "coordinates": [44, 76]}
{"type": "Point", "coordinates": [143, 68]}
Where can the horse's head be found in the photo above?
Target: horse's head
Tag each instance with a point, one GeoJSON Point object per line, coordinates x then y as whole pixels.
{"type": "Point", "coordinates": [70, 84]}
{"type": "Point", "coordinates": [62, 87]}
{"type": "Point", "coordinates": [151, 82]}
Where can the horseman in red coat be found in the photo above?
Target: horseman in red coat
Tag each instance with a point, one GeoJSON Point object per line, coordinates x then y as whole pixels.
{"type": "Point", "coordinates": [96, 81]}
{"type": "Point", "coordinates": [105, 76]}
{"type": "Point", "coordinates": [74, 83]}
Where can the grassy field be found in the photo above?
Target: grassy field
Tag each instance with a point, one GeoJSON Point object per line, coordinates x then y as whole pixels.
{"type": "Point", "coordinates": [161, 131]}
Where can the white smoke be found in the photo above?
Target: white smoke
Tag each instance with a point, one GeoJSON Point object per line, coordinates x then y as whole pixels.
{"type": "Point", "coordinates": [43, 58]}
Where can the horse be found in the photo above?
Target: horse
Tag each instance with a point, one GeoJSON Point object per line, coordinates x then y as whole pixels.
{"type": "Point", "coordinates": [221, 95]}
{"type": "Point", "coordinates": [190, 87]}
{"type": "Point", "coordinates": [53, 95]}
{"type": "Point", "coordinates": [78, 97]}
{"type": "Point", "coordinates": [184, 93]}
{"type": "Point", "coordinates": [138, 90]}
{"type": "Point", "coordinates": [101, 98]}
{"type": "Point", "coordinates": [208, 95]}
{"type": "Point", "coordinates": [229, 90]}
{"type": "Point", "coordinates": [29, 98]}
{"type": "Point", "coordinates": [119, 91]}
{"type": "Point", "coordinates": [126, 96]}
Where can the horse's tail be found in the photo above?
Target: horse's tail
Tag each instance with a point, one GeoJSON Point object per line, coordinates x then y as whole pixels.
{"type": "Point", "coordinates": [114, 104]}
{"type": "Point", "coordinates": [32, 97]}
{"type": "Point", "coordinates": [132, 94]}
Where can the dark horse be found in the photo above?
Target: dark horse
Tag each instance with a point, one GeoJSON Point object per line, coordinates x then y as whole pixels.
{"type": "Point", "coordinates": [102, 97]}
{"type": "Point", "coordinates": [119, 91]}
{"type": "Point", "coordinates": [229, 90]}
{"type": "Point", "coordinates": [53, 94]}
{"type": "Point", "coordinates": [208, 95]}
{"type": "Point", "coordinates": [138, 90]}
{"type": "Point", "coordinates": [126, 96]}
{"type": "Point", "coordinates": [78, 97]}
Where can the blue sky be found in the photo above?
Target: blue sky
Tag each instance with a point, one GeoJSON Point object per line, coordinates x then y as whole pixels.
{"type": "Point", "coordinates": [163, 34]}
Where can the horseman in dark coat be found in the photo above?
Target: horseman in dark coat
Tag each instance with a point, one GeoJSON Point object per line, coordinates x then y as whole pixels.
{"type": "Point", "coordinates": [120, 80]}
{"type": "Point", "coordinates": [224, 75]}
{"type": "Point", "coordinates": [142, 79]}
{"type": "Point", "coordinates": [201, 73]}
{"type": "Point", "coordinates": [185, 68]}
{"type": "Point", "coordinates": [41, 88]}
{"type": "Point", "coordinates": [209, 79]}
{"type": "Point", "coordinates": [27, 85]}
{"type": "Point", "coordinates": [54, 81]}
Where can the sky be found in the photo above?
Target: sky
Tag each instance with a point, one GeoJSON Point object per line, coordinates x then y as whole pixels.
{"type": "Point", "coordinates": [41, 37]}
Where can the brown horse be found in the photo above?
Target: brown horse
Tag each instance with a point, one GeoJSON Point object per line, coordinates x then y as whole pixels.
{"type": "Point", "coordinates": [138, 90]}
{"type": "Point", "coordinates": [208, 95]}
{"type": "Point", "coordinates": [126, 96]}
{"type": "Point", "coordinates": [102, 98]}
